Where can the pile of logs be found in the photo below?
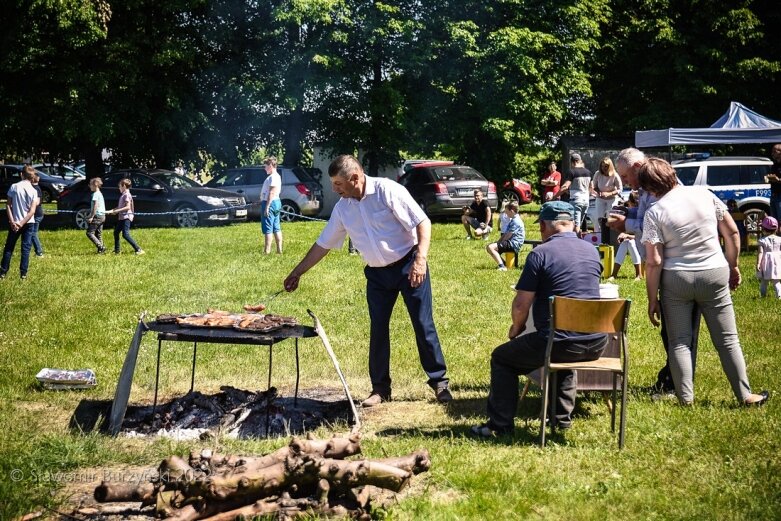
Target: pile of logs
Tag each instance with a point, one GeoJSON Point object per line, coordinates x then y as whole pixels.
{"type": "Point", "coordinates": [306, 477]}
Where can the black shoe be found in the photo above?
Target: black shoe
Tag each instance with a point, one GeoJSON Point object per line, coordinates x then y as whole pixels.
{"type": "Point", "coordinates": [23, 277]}
{"type": "Point", "coordinates": [443, 394]}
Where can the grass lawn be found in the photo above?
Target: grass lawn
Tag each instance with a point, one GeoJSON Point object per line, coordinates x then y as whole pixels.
{"type": "Point", "coordinates": [711, 461]}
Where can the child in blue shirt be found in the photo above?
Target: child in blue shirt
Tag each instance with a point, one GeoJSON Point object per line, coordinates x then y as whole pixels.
{"type": "Point", "coordinates": [512, 237]}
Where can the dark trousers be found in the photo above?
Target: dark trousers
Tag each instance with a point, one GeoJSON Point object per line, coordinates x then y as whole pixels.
{"type": "Point", "coordinates": [26, 233]}
{"type": "Point", "coordinates": [524, 354]}
{"type": "Point", "coordinates": [664, 379]}
{"type": "Point", "coordinates": [37, 246]}
{"type": "Point", "coordinates": [383, 286]}
{"type": "Point", "coordinates": [95, 232]}
{"type": "Point", "coordinates": [123, 226]}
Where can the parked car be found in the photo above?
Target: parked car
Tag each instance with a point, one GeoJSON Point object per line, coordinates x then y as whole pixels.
{"type": "Point", "coordinates": [442, 188]}
{"type": "Point", "coordinates": [61, 171]}
{"type": "Point", "coordinates": [177, 200]}
{"type": "Point", "coordinates": [738, 178]}
{"type": "Point", "coordinates": [516, 190]}
{"type": "Point", "coordinates": [301, 194]}
{"type": "Point", "coordinates": [51, 187]}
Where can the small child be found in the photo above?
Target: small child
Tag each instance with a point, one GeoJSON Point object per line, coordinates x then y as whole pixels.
{"type": "Point", "coordinates": [125, 214]}
{"type": "Point", "coordinates": [97, 215]}
{"type": "Point", "coordinates": [512, 238]}
{"type": "Point", "coordinates": [627, 244]}
{"type": "Point", "coordinates": [769, 257]}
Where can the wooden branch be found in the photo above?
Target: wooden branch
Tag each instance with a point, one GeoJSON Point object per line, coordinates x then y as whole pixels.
{"type": "Point", "coordinates": [415, 462]}
{"type": "Point", "coordinates": [108, 492]}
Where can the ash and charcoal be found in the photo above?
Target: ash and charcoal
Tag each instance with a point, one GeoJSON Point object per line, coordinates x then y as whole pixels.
{"type": "Point", "coordinates": [237, 413]}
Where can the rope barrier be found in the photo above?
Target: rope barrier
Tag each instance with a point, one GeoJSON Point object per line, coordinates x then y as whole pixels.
{"type": "Point", "coordinates": [212, 210]}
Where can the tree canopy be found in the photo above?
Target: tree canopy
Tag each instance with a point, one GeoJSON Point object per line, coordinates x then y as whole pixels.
{"type": "Point", "coordinates": [491, 83]}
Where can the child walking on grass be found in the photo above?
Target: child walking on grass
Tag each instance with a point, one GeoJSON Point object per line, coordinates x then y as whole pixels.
{"type": "Point", "coordinates": [769, 257]}
{"type": "Point", "coordinates": [125, 214]}
{"type": "Point", "coordinates": [97, 215]}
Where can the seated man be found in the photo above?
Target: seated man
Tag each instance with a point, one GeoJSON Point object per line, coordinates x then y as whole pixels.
{"type": "Point", "coordinates": [562, 265]}
{"type": "Point", "coordinates": [513, 234]}
{"type": "Point", "coordinates": [477, 217]}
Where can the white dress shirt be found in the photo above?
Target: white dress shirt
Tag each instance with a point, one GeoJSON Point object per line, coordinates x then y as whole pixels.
{"type": "Point", "coordinates": [382, 224]}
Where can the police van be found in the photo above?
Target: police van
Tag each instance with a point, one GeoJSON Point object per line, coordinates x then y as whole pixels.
{"type": "Point", "coordinates": [738, 178]}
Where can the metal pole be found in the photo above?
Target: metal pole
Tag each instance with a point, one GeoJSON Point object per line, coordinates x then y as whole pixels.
{"type": "Point", "coordinates": [192, 378]}
{"type": "Point", "coordinates": [157, 374]}
{"type": "Point", "coordinates": [295, 396]}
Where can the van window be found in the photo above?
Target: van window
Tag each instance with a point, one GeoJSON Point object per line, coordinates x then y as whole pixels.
{"type": "Point", "coordinates": [687, 174]}
{"type": "Point", "coordinates": [720, 175]}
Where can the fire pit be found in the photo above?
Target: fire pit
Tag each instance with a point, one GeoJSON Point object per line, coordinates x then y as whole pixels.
{"type": "Point", "coordinates": [219, 335]}
{"type": "Point", "coordinates": [237, 413]}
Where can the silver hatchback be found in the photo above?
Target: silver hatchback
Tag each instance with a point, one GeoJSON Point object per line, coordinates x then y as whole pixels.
{"type": "Point", "coordinates": [301, 194]}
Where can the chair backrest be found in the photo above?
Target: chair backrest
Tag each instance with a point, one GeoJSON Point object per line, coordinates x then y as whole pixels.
{"type": "Point", "coordinates": [589, 316]}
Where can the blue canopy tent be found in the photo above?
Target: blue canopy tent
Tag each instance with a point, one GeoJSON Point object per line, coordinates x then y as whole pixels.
{"type": "Point", "coordinates": [738, 125]}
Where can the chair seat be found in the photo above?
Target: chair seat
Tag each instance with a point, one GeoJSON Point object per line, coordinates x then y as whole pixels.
{"type": "Point", "coordinates": [601, 364]}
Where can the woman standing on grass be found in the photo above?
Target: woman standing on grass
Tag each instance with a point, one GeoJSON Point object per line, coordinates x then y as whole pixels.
{"type": "Point", "coordinates": [684, 260]}
{"type": "Point", "coordinates": [97, 215]}
{"type": "Point", "coordinates": [606, 187]}
{"type": "Point", "coordinates": [125, 214]}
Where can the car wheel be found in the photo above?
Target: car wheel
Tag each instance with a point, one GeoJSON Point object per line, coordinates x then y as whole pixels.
{"type": "Point", "coordinates": [753, 216]}
{"type": "Point", "coordinates": [509, 196]}
{"type": "Point", "coordinates": [46, 197]}
{"type": "Point", "coordinates": [186, 217]}
{"type": "Point", "coordinates": [80, 217]}
{"type": "Point", "coordinates": [290, 211]}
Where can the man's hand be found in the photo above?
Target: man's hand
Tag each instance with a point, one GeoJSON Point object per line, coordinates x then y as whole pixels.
{"type": "Point", "coordinates": [617, 222]}
{"type": "Point", "coordinates": [418, 272]}
{"type": "Point", "coordinates": [291, 282]}
{"type": "Point", "coordinates": [515, 331]}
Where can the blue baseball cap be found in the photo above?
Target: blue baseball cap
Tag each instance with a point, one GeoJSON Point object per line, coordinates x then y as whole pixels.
{"type": "Point", "coordinates": [556, 211]}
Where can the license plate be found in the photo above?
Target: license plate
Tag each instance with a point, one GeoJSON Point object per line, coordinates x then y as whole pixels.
{"type": "Point", "coordinates": [465, 191]}
{"type": "Point", "coordinates": [241, 213]}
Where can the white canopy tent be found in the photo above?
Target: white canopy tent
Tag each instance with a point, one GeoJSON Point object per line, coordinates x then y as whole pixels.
{"type": "Point", "coordinates": [738, 125]}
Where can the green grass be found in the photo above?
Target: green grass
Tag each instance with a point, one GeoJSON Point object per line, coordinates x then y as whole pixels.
{"type": "Point", "coordinates": [77, 309]}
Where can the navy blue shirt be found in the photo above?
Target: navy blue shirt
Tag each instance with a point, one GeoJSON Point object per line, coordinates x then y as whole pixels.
{"type": "Point", "coordinates": [566, 266]}
{"type": "Point", "coordinates": [38, 209]}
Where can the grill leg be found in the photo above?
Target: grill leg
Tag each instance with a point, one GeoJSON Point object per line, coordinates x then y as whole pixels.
{"type": "Point", "coordinates": [192, 378]}
{"type": "Point", "coordinates": [295, 396]}
{"type": "Point", "coordinates": [268, 398]}
{"type": "Point", "coordinates": [157, 375]}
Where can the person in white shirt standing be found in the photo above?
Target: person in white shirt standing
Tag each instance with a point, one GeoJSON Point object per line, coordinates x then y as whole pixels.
{"type": "Point", "coordinates": [271, 206]}
{"type": "Point", "coordinates": [392, 234]}
{"type": "Point", "coordinates": [20, 208]}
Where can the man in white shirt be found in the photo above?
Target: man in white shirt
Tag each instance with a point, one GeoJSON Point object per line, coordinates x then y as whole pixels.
{"type": "Point", "coordinates": [392, 234]}
{"type": "Point", "coordinates": [20, 208]}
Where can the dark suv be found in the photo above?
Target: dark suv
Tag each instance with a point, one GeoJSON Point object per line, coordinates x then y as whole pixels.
{"type": "Point", "coordinates": [301, 194]}
{"type": "Point", "coordinates": [166, 197]}
{"type": "Point", "coordinates": [51, 186]}
{"type": "Point", "coordinates": [442, 188]}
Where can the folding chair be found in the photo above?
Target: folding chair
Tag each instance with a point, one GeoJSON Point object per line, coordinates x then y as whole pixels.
{"type": "Point", "coordinates": [609, 316]}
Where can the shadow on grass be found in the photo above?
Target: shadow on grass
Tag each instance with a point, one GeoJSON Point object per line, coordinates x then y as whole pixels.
{"type": "Point", "coordinates": [89, 416]}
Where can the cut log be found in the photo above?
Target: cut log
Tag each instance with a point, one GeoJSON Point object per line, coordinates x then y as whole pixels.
{"type": "Point", "coordinates": [109, 492]}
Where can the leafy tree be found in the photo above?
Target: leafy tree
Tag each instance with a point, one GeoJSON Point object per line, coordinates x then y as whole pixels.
{"type": "Point", "coordinates": [503, 79]}
{"type": "Point", "coordinates": [678, 63]}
